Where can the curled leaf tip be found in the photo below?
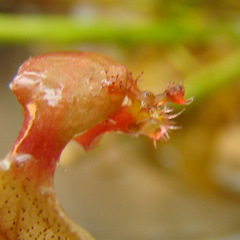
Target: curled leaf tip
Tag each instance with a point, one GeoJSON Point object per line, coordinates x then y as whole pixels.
{"type": "Point", "coordinates": [175, 93]}
{"type": "Point", "coordinates": [141, 113]}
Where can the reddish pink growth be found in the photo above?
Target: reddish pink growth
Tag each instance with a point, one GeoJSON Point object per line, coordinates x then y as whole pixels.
{"type": "Point", "coordinates": [64, 94]}
{"type": "Point", "coordinates": [75, 95]}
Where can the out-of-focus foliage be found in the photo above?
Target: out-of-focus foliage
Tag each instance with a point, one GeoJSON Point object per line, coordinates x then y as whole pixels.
{"type": "Point", "coordinates": [125, 189]}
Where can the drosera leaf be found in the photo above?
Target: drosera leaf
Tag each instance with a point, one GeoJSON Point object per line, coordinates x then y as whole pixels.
{"type": "Point", "coordinates": [69, 95]}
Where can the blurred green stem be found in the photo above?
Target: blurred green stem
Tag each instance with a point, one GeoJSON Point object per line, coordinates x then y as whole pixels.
{"type": "Point", "coordinates": [51, 28]}
{"type": "Point", "coordinates": [214, 76]}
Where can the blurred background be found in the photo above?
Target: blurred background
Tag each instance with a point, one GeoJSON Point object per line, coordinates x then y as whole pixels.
{"type": "Point", "coordinates": [125, 189]}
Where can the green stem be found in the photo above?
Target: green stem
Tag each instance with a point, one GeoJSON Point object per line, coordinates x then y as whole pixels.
{"type": "Point", "coordinates": [214, 76]}
{"type": "Point", "coordinates": [67, 29]}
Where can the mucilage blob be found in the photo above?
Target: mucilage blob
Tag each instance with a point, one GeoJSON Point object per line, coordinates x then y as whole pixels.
{"type": "Point", "coordinates": [65, 96]}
